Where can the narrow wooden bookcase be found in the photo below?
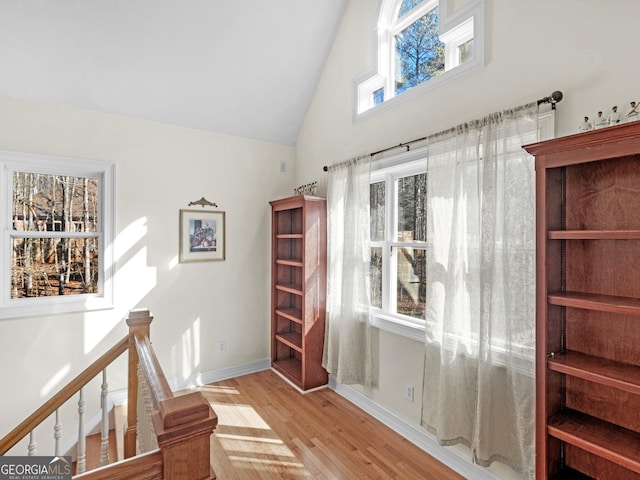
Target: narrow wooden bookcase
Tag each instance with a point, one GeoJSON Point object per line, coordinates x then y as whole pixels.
{"type": "Point", "coordinates": [298, 289]}
{"type": "Point", "coordinates": [588, 305]}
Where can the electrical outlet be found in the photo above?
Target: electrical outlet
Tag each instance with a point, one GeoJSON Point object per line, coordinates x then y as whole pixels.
{"type": "Point", "coordinates": [222, 345]}
{"type": "Point", "coordinates": [283, 166]}
{"type": "Point", "coordinates": [408, 392]}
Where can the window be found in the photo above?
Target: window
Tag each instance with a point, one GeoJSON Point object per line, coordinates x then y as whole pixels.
{"type": "Point", "coordinates": [378, 96]}
{"type": "Point", "coordinates": [421, 45]}
{"type": "Point", "coordinates": [398, 243]}
{"type": "Point", "coordinates": [419, 53]}
{"type": "Point", "coordinates": [57, 234]}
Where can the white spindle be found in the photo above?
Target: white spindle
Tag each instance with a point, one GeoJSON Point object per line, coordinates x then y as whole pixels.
{"type": "Point", "coordinates": [104, 438]}
{"type": "Point", "coordinates": [32, 444]}
{"type": "Point", "coordinates": [82, 441]}
{"type": "Point", "coordinates": [57, 432]}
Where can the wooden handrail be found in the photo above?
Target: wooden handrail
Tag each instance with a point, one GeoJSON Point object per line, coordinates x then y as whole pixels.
{"type": "Point", "coordinates": [183, 424]}
{"type": "Point", "coordinates": [62, 396]}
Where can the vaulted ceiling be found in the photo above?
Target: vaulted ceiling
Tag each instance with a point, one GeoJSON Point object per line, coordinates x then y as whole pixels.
{"type": "Point", "coordinates": [240, 67]}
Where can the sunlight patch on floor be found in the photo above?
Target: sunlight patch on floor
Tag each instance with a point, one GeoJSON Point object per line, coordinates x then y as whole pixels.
{"type": "Point", "coordinates": [248, 441]}
{"type": "Point", "coordinates": [247, 438]}
{"type": "Point", "coordinates": [239, 416]}
{"type": "Point", "coordinates": [276, 464]}
{"type": "Point", "coordinates": [255, 446]}
{"type": "Point", "coordinates": [218, 389]}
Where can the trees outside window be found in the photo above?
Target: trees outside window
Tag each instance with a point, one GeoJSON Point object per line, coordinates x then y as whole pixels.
{"type": "Point", "coordinates": [419, 52]}
{"type": "Point", "coordinates": [398, 241]}
{"type": "Point", "coordinates": [54, 241]}
{"type": "Point", "coordinates": [422, 44]}
{"type": "Point", "coordinates": [57, 234]}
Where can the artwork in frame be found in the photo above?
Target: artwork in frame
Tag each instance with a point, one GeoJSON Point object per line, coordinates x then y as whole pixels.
{"type": "Point", "coordinates": [202, 236]}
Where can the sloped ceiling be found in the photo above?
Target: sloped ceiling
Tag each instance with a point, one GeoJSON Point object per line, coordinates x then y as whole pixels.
{"type": "Point", "coordinates": [240, 67]}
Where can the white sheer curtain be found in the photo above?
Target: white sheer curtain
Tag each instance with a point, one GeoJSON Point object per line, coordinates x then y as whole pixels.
{"type": "Point", "coordinates": [347, 348]}
{"type": "Point", "coordinates": [479, 367]}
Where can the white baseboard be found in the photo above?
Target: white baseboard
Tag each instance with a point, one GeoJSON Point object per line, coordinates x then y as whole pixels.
{"type": "Point", "coordinates": [212, 376]}
{"type": "Point", "coordinates": [117, 397]}
{"type": "Point", "coordinates": [416, 435]}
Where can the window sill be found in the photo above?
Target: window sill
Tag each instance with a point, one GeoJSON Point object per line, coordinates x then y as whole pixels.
{"type": "Point", "coordinates": [361, 114]}
{"type": "Point", "coordinates": [54, 305]}
{"type": "Point", "coordinates": [398, 326]}
{"type": "Point", "coordinates": [519, 361]}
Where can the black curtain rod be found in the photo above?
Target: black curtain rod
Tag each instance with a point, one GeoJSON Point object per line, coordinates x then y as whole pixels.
{"type": "Point", "coordinates": [554, 98]}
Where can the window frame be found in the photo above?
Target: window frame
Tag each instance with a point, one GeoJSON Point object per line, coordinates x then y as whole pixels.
{"type": "Point", "coordinates": [455, 29]}
{"type": "Point", "coordinates": [104, 172]}
{"type": "Point", "coordinates": [409, 328]}
{"type": "Point", "coordinates": [389, 170]}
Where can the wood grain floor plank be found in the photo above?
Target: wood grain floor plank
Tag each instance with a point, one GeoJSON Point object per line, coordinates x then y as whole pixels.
{"type": "Point", "coordinates": [267, 430]}
{"type": "Point", "coordinates": [316, 461]}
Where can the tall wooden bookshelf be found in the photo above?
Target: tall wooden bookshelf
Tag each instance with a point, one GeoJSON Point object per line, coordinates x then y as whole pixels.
{"type": "Point", "coordinates": [298, 289]}
{"type": "Point", "coordinates": [588, 305]}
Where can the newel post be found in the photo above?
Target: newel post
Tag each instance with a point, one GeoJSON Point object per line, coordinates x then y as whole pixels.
{"type": "Point", "coordinates": [184, 425]}
{"type": "Point", "coordinates": [139, 322]}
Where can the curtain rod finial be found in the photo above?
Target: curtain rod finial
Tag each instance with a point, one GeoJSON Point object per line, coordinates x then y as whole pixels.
{"type": "Point", "coordinates": [554, 98]}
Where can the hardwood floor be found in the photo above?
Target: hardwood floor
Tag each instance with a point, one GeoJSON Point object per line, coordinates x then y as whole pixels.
{"type": "Point", "coordinates": [268, 430]}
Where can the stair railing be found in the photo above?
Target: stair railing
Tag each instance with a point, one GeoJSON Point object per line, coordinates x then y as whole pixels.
{"type": "Point", "coordinates": [167, 435]}
{"type": "Point", "coordinates": [53, 405]}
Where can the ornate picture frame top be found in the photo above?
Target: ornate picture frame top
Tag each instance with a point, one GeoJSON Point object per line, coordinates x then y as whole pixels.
{"type": "Point", "coordinates": [202, 233]}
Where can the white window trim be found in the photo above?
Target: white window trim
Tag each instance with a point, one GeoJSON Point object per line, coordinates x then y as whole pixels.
{"type": "Point", "coordinates": [387, 170]}
{"type": "Point", "coordinates": [399, 324]}
{"type": "Point", "coordinates": [56, 165]}
{"type": "Point", "coordinates": [452, 41]}
{"type": "Point", "coordinates": [455, 29]}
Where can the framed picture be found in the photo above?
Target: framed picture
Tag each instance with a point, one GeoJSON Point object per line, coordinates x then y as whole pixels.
{"type": "Point", "coordinates": [201, 236]}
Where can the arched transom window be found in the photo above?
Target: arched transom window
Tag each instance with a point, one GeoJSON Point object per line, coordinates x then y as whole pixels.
{"type": "Point", "coordinates": [421, 45]}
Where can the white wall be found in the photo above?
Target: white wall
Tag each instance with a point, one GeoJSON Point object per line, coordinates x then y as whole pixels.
{"type": "Point", "coordinates": [159, 169]}
{"type": "Point", "coordinates": [585, 49]}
